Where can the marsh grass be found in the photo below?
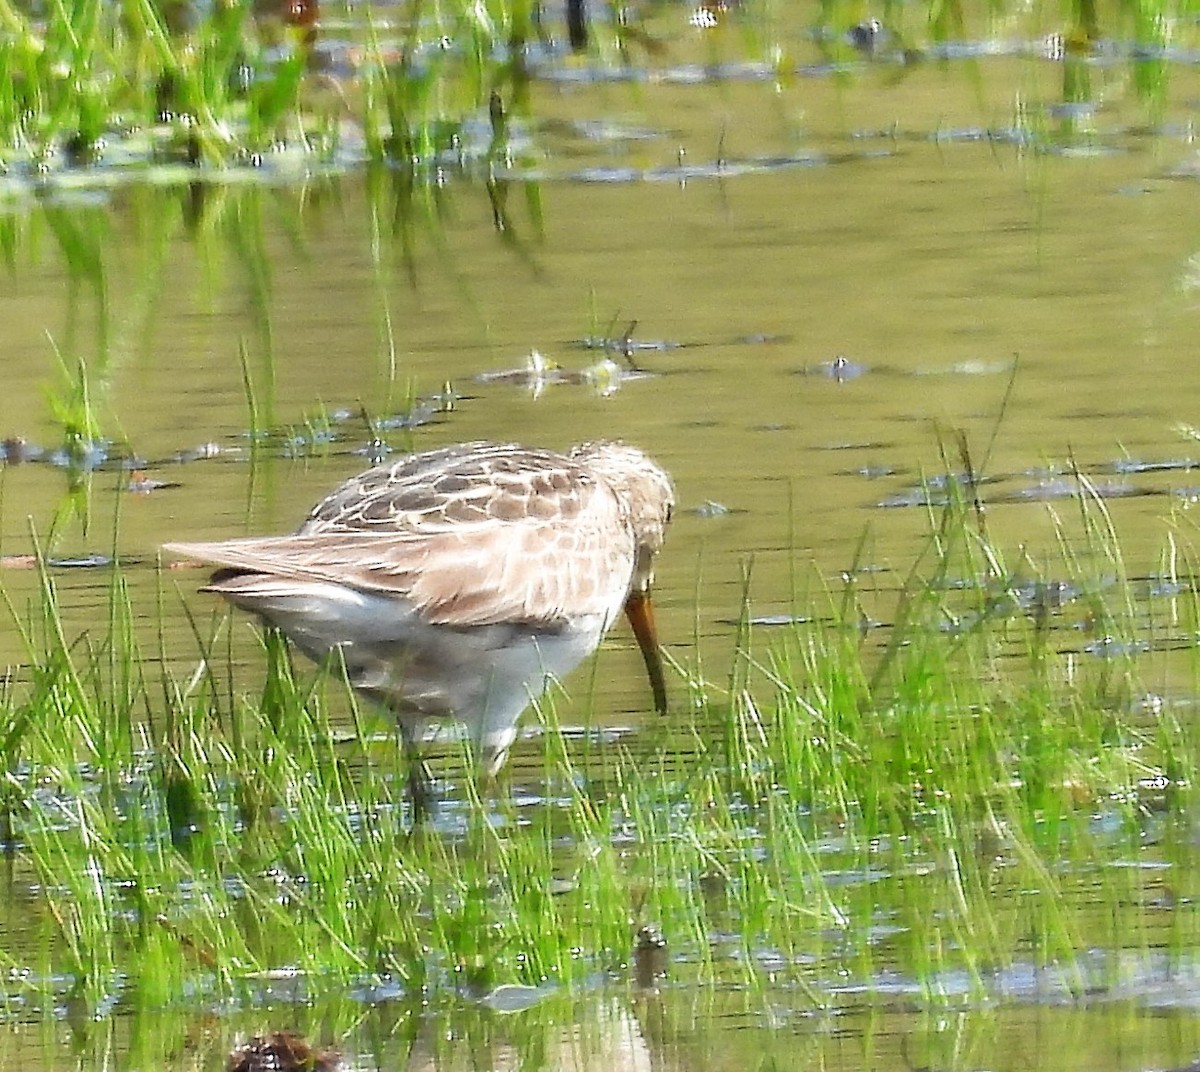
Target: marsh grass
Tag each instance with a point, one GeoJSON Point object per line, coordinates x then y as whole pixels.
{"type": "Point", "coordinates": [231, 83]}
{"type": "Point", "coordinates": [943, 798]}
{"type": "Point", "coordinates": [219, 86]}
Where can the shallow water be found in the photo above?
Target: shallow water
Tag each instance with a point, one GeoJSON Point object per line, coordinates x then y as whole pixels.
{"type": "Point", "coordinates": [824, 276]}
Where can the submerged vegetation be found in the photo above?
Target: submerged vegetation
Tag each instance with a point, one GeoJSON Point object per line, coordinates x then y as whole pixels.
{"type": "Point", "coordinates": [949, 796]}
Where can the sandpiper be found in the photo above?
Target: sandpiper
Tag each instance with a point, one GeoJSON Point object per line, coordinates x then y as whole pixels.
{"type": "Point", "coordinates": [457, 583]}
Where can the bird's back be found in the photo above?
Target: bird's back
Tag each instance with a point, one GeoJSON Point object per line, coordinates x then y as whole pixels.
{"type": "Point", "coordinates": [451, 583]}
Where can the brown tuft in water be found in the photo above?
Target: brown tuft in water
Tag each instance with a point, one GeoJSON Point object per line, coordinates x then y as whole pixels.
{"type": "Point", "coordinates": [281, 1051]}
{"type": "Point", "coordinates": [649, 956]}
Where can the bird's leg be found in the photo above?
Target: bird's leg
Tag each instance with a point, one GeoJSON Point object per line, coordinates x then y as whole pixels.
{"type": "Point", "coordinates": [420, 782]}
{"type": "Point", "coordinates": [490, 788]}
{"type": "Point", "coordinates": [484, 787]}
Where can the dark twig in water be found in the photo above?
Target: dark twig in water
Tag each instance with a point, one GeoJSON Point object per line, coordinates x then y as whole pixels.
{"type": "Point", "coordinates": [577, 25]}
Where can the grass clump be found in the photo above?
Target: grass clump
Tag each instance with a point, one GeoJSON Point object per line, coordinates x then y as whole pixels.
{"type": "Point", "coordinates": [231, 82]}
{"type": "Point", "coordinates": [986, 753]}
{"type": "Point", "coordinates": [936, 800]}
{"type": "Point", "coordinates": [432, 87]}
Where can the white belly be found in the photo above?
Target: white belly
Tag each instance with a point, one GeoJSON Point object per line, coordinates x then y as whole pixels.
{"type": "Point", "coordinates": [484, 676]}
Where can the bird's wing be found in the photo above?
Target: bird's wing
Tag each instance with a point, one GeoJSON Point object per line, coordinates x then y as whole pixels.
{"type": "Point", "coordinates": [469, 483]}
{"type": "Point", "coordinates": [476, 534]}
{"type": "Point", "coordinates": [463, 574]}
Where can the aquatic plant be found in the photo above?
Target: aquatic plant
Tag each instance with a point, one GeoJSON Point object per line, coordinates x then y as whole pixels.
{"type": "Point", "coordinates": [440, 86]}
{"type": "Point", "coordinates": [926, 759]}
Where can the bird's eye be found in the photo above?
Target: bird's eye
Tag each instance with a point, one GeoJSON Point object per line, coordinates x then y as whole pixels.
{"type": "Point", "coordinates": [670, 512]}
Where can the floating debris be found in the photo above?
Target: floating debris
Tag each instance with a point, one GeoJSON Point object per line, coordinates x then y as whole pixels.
{"type": "Point", "coordinates": [80, 454]}
{"type": "Point", "coordinates": [868, 36]}
{"type": "Point", "coordinates": [422, 413]}
{"type": "Point", "coordinates": [374, 450]}
{"type": "Point", "coordinates": [1070, 488]}
{"type": "Point", "coordinates": [512, 997]}
{"type": "Point", "coordinates": [534, 375]}
{"type": "Point", "coordinates": [1165, 588]}
{"type": "Point", "coordinates": [202, 452]}
{"type": "Point", "coordinates": [1131, 466]}
{"type": "Point", "coordinates": [933, 492]}
{"type": "Point", "coordinates": [281, 1051]}
{"type": "Point", "coordinates": [839, 369]}
{"type": "Point", "coordinates": [626, 344]}
{"type": "Point", "coordinates": [1040, 597]}
{"type": "Point", "coordinates": [22, 562]}
{"type": "Point", "coordinates": [607, 131]}
{"type": "Point", "coordinates": [1149, 703]}
{"type": "Point", "coordinates": [912, 497]}
{"type": "Point", "coordinates": [709, 14]}
{"type": "Point", "coordinates": [710, 508]}
{"type": "Point", "coordinates": [761, 338]}
{"type": "Point", "coordinates": [1078, 42]}
{"type": "Point", "coordinates": [605, 376]}
{"type": "Point", "coordinates": [15, 450]}
{"type": "Point", "coordinates": [776, 620]}
{"type": "Point", "coordinates": [969, 367]}
{"type": "Point", "coordinates": [1110, 647]}
{"type": "Point", "coordinates": [140, 484]}
{"type": "Point", "coordinates": [876, 472]}
{"type": "Point", "coordinates": [93, 561]}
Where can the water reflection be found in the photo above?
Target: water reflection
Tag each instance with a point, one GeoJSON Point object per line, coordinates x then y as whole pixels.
{"type": "Point", "coordinates": [664, 1032]}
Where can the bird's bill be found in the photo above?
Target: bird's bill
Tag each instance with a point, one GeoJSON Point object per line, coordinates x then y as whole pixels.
{"type": "Point", "coordinates": [641, 616]}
